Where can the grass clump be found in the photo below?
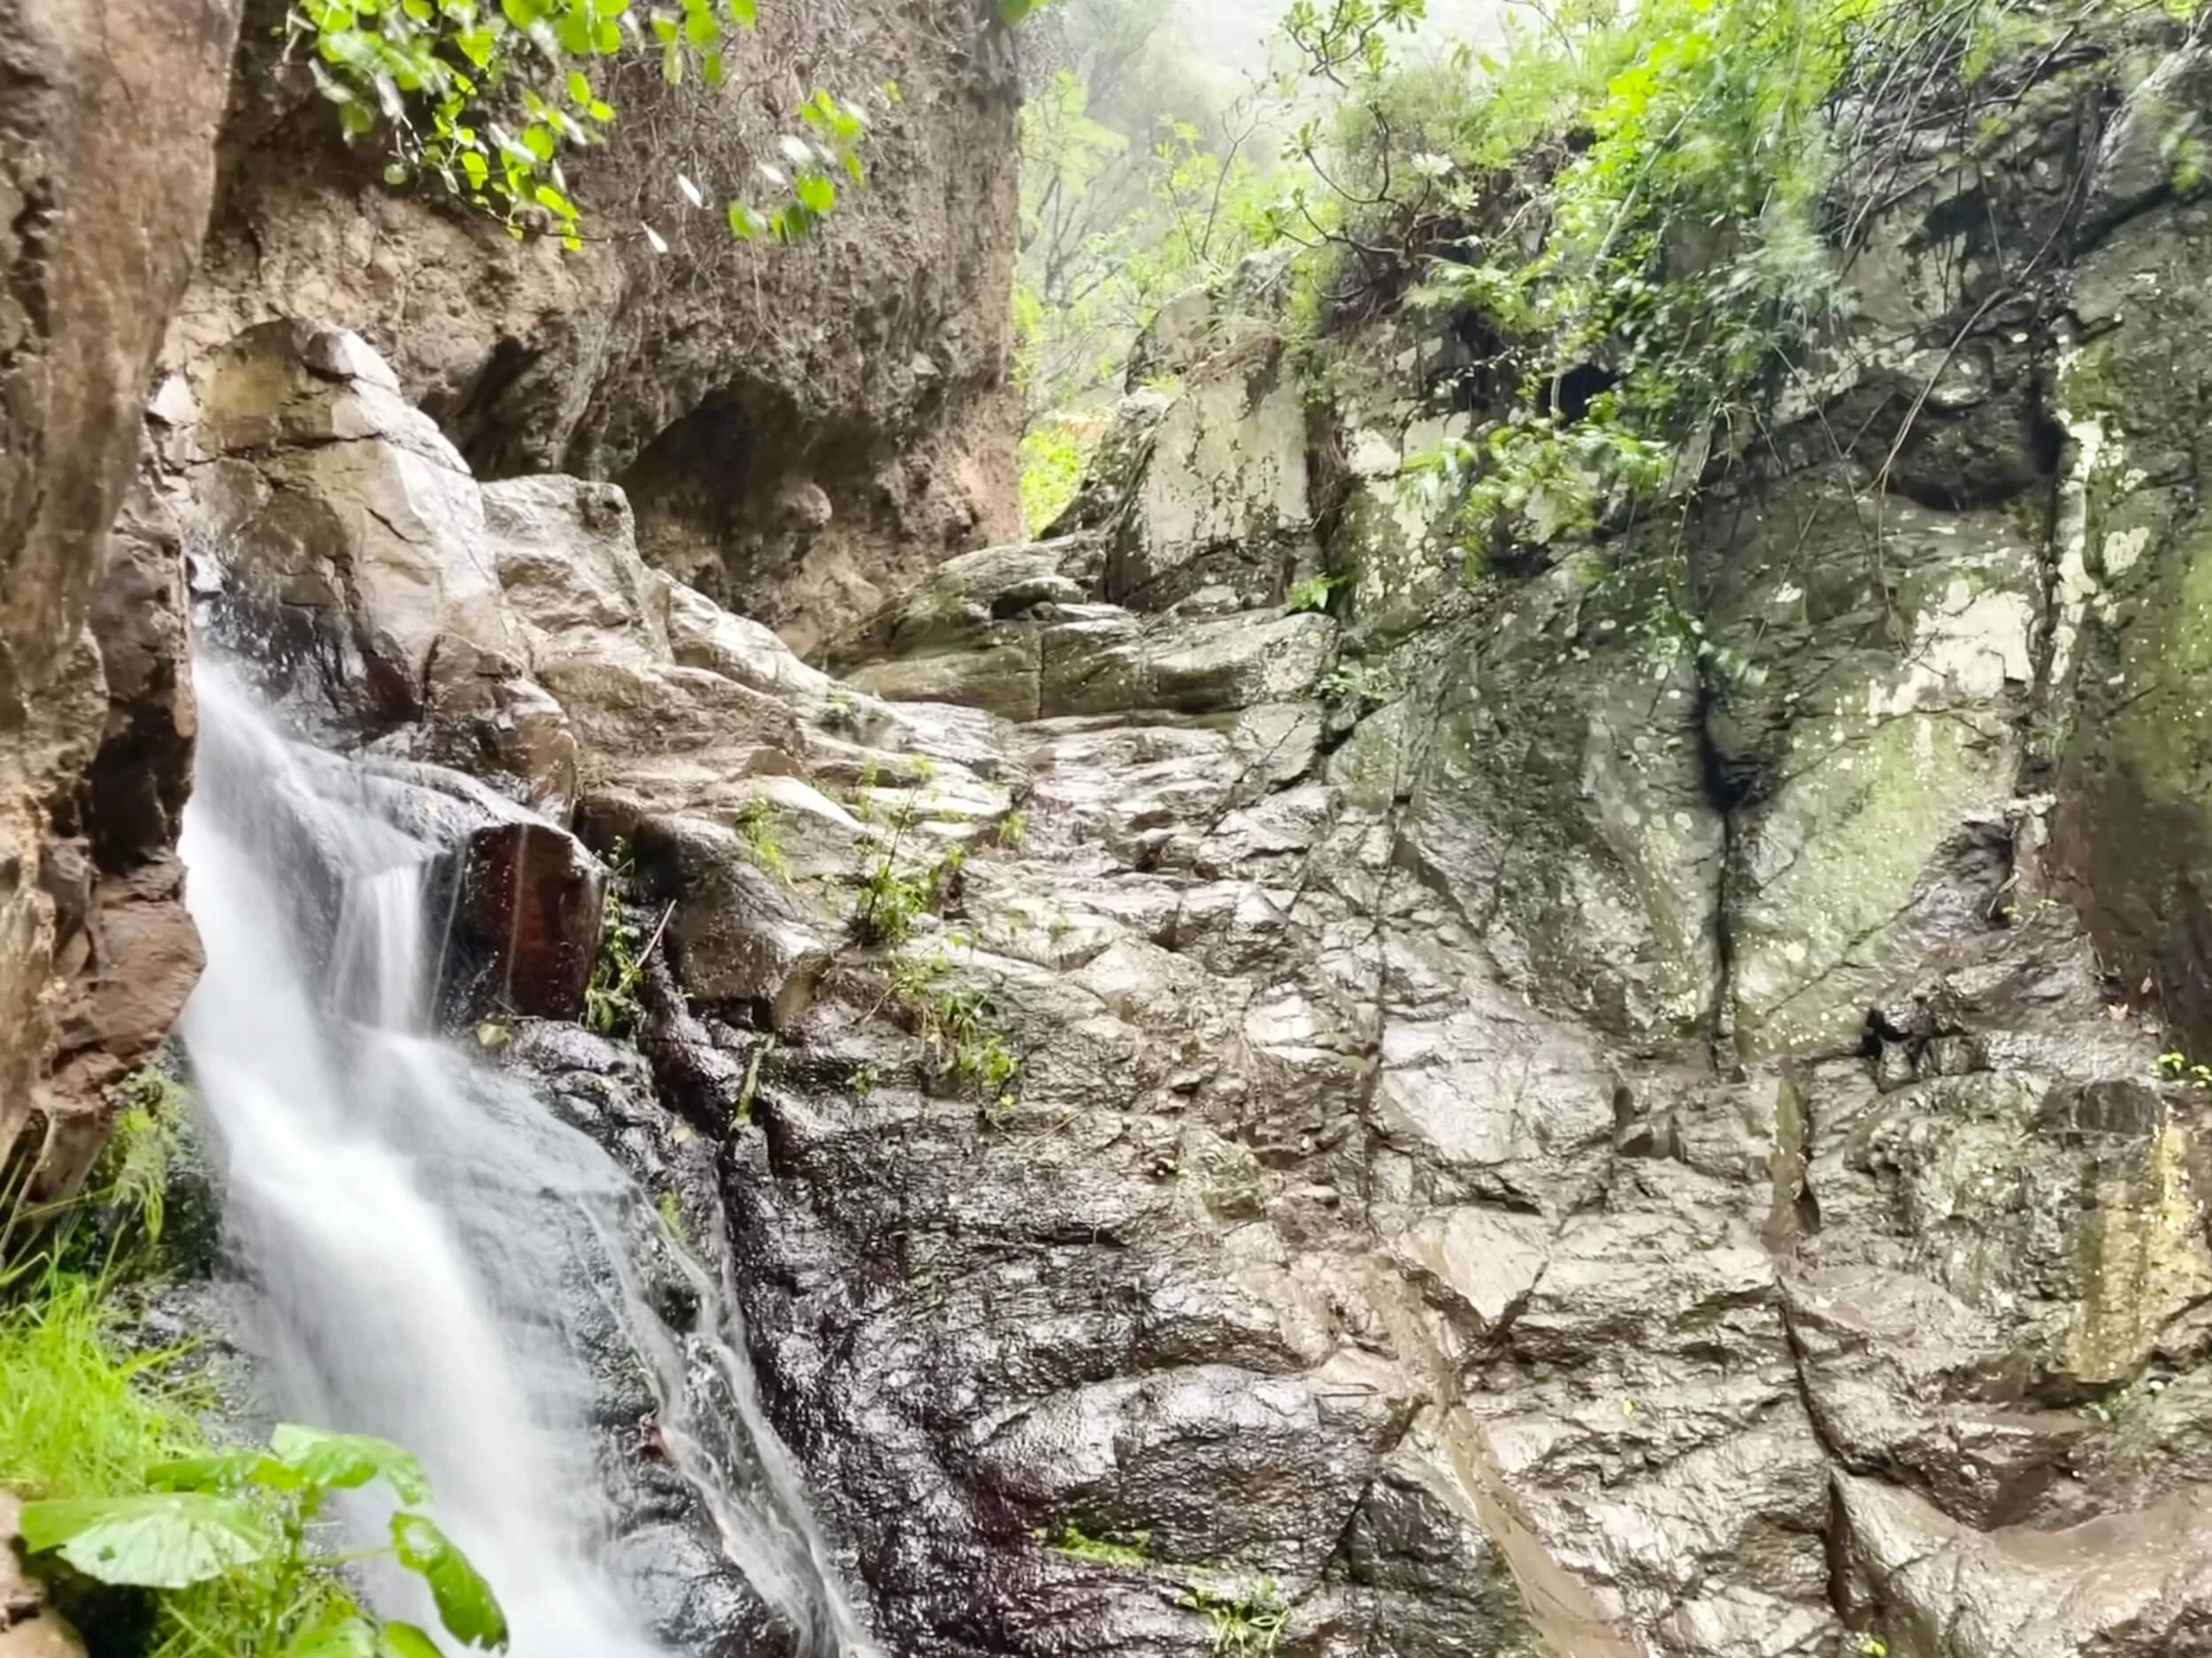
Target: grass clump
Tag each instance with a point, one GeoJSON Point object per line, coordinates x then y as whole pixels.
{"type": "Point", "coordinates": [956, 1023]}
{"type": "Point", "coordinates": [761, 836]}
{"type": "Point", "coordinates": [1246, 1618]}
{"type": "Point", "coordinates": [1130, 1551]}
{"type": "Point", "coordinates": [79, 1413]}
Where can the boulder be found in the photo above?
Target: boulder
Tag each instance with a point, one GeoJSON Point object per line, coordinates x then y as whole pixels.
{"type": "Point", "coordinates": [350, 533]}
{"type": "Point", "coordinates": [737, 939]}
{"type": "Point", "coordinates": [524, 900]}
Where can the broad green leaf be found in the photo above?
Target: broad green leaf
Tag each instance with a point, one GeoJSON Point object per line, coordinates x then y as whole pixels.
{"type": "Point", "coordinates": [337, 1634]}
{"type": "Point", "coordinates": [579, 88]}
{"type": "Point", "coordinates": [404, 1640]}
{"type": "Point", "coordinates": [465, 1603]}
{"type": "Point", "coordinates": [743, 12]}
{"type": "Point", "coordinates": [815, 192]}
{"type": "Point", "coordinates": [344, 1461]}
{"type": "Point", "coordinates": [169, 1541]}
{"type": "Point", "coordinates": [224, 1470]}
{"type": "Point", "coordinates": [745, 224]}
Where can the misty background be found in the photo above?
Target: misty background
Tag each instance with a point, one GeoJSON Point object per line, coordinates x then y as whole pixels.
{"type": "Point", "coordinates": [1159, 150]}
{"type": "Point", "coordinates": [1230, 35]}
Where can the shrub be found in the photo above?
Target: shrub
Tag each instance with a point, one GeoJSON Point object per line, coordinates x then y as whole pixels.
{"type": "Point", "coordinates": [123, 1485]}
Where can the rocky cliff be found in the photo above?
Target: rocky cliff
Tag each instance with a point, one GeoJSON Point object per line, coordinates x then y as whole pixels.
{"type": "Point", "coordinates": [1645, 1103]}
{"type": "Point", "coordinates": [107, 116]}
{"type": "Point", "coordinates": [800, 428]}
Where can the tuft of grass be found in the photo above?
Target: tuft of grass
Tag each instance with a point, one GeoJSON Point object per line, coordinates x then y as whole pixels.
{"type": "Point", "coordinates": [78, 1414]}
{"type": "Point", "coordinates": [1312, 593]}
{"type": "Point", "coordinates": [1245, 1618]}
{"type": "Point", "coordinates": [1130, 1552]}
{"type": "Point", "coordinates": [757, 828]}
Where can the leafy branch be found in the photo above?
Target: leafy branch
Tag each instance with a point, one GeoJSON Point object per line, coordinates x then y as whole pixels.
{"type": "Point", "coordinates": [485, 100]}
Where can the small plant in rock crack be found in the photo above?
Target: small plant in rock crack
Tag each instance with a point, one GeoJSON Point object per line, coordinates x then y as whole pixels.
{"type": "Point", "coordinates": [1129, 1551]}
{"type": "Point", "coordinates": [895, 894]}
{"type": "Point", "coordinates": [671, 1209]}
{"type": "Point", "coordinates": [1246, 1618]}
{"type": "Point", "coordinates": [960, 1043]}
{"type": "Point", "coordinates": [1012, 831]}
{"type": "Point", "coordinates": [2178, 1068]}
{"type": "Point", "coordinates": [253, 1518]}
{"type": "Point", "coordinates": [611, 995]}
{"type": "Point", "coordinates": [757, 828]}
{"type": "Point", "coordinates": [610, 1004]}
{"type": "Point", "coordinates": [1312, 593]}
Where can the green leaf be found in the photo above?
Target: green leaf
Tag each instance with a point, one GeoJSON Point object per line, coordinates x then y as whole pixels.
{"type": "Point", "coordinates": [465, 1603]}
{"type": "Point", "coordinates": [344, 1461]}
{"type": "Point", "coordinates": [578, 89]}
{"type": "Point", "coordinates": [745, 224]}
{"type": "Point", "coordinates": [743, 14]}
{"type": "Point", "coordinates": [815, 192]}
{"type": "Point", "coordinates": [404, 1640]}
{"type": "Point", "coordinates": [224, 1470]}
{"type": "Point", "coordinates": [169, 1541]}
{"type": "Point", "coordinates": [337, 1634]}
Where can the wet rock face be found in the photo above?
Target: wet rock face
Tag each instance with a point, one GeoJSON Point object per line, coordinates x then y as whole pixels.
{"type": "Point", "coordinates": [1617, 1058]}
{"type": "Point", "coordinates": [1574, 1111]}
{"type": "Point", "coordinates": [800, 430]}
{"type": "Point", "coordinates": [106, 159]}
{"type": "Point", "coordinates": [524, 904]}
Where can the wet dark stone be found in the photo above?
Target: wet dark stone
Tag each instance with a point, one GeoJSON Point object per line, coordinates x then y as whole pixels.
{"type": "Point", "coordinates": [525, 902]}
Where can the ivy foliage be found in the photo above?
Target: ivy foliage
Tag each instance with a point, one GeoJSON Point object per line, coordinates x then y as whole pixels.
{"type": "Point", "coordinates": [484, 98]}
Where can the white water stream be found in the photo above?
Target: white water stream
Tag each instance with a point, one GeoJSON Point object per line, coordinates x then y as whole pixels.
{"type": "Point", "coordinates": [428, 1249]}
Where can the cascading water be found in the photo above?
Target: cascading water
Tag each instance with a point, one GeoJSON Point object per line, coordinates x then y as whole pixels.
{"type": "Point", "coordinates": [429, 1250]}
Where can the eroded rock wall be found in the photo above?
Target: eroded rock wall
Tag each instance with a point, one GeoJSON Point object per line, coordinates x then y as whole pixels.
{"type": "Point", "coordinates": [1589, 1109]}
{"type": "Point", "coordinates": [800, 429]}
{"type": "Point", "coordinates": [108, 111]}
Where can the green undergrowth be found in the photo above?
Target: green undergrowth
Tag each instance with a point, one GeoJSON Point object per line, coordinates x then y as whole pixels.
{"type": "Point", "coordinates": [957, 1023]}
{"type": "Point", "coordinates": [153, 1537]}
{"type": "Point", "coordinates": [1245, 1618]}
{"type": "Point", "coordinates": [1641, 215]}
{"type": "Point", "coordinates": [611, 1008]}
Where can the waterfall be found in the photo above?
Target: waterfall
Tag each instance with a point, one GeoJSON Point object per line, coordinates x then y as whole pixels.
{"type": "Point", "coordinates": [429, 1253]}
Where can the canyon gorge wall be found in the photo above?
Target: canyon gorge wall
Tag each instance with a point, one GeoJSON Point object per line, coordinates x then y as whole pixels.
{"type": "Point", "coordinates": [1610, 1106]}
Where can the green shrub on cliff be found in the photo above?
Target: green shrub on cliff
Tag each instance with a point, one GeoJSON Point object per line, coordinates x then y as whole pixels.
{"type": "Point", "coordinates": [1641, 210]}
